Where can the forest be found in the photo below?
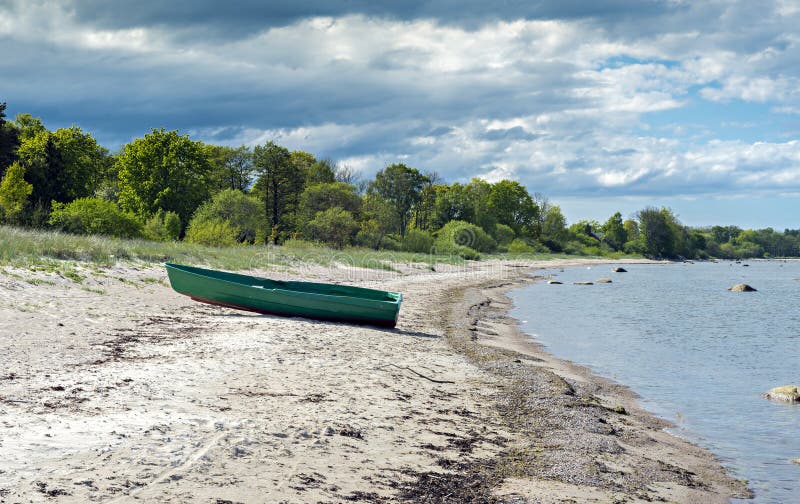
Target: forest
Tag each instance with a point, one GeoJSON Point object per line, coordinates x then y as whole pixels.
{"type": "Point", "coordinates": [166, 186]}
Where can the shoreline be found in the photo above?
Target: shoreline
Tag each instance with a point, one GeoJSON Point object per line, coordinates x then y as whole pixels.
{"type": "Point", "coordinates": [636, 437]}
{"type": "Point", "coordinates": [117, 389]}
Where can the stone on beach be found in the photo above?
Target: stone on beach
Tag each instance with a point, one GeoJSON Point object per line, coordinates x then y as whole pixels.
{"type": "Point", "coordinates": [742, 288]}
{"type": "Point", "coordinates": [603, 280]}
{"type": "Point", "coordinates": [619, 270]}
{"type": "Point", "coordinates": [787, 393]}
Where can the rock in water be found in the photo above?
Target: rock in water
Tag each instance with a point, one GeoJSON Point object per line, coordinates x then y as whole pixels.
{"type": "Point", "coordinates": [603, 280]}
{"type": "Point", "coordinates": [787, 393]}
{"type": "Point", "coordinates": [582, 283]}
{"type": "Point", "coordinates": [742, 288]}
{"type": "Point", "coordinates": [619, 270]}
{"type": "Point", "coordinates": [554, 282]}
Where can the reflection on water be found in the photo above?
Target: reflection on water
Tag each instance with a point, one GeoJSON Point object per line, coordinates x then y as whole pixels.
{"type": "Point", "coordinates": [698, 354]}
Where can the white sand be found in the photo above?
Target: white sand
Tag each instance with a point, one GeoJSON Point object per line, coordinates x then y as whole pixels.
{"type": "Point", "coordinates": [138, 393]}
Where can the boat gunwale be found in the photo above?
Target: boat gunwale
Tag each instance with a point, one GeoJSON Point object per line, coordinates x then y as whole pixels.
{"type": "Point", "coordinates": [292, 292]}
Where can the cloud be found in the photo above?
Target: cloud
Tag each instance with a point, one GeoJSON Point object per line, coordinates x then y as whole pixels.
{"type": "Point", "coordinates": [569, 97]}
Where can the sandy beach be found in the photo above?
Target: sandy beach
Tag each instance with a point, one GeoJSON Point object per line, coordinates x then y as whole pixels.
{"type": "Point", "coordinates": [114, 388]}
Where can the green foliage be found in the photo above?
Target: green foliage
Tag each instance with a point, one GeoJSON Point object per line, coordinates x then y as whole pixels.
{"type": "Point", "coordinates": [281, 181]}
{"type": "Point", "coordinates": [14, 192]}
{"type": "Point", "coordinates": [9, 141]}
{"type": "Point", "coordinates": [585, 228]}
{"type": "Point", "coordinates": [378, 220]}
{"type": "Point", "coordinates": [94, 216]}
{"type": "Point", "coordinates": [635, 247]}
{"type": "Point", "coordinates": [163, 226]}
{"type": "Point", "coordinates": [659, 230]}
{"type": "Point", "coordinates": [335, 226]}
{"type": "Point", "coordinates": [503, 234]}
{"type": "Point", "coordinates": [243, 214]}
{"type": "Point", "coordinates": [214, 232]}
{"type": "Point", "coordinates": [554, 228]}
{"type": "Point", "coordinates": [519, 246]}
{"type": "Point", "coordinates": [463, 234]}
{"type": "Point", "coordinates": [614, 233]}
{"type": "Point", "coordinates": [511, 205]}
{"type": "Point", "coordinates": [417, 240]}
{"type": "Point", "coordinates": [400, 186]}
{"type": "Point", "coordinates": [453, 202]}
{"type": "Point", "coordinates": [163, 170]}
{"type": "Point", "coordinates": [631, 229]}
{"type": "Point", "coordinates": [321, 172]}
{"type": "Point", "coordinates": [28, 126]}
{"type": "Point", "coordinates": [230, 168]}
{"type": "Point", "coordinates": [321, 196]}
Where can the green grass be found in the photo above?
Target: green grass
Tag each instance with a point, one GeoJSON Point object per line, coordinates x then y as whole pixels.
{"type": "Point", "coordinates": [43, 250]}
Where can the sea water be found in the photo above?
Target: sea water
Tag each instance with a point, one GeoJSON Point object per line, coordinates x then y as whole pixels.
{"type": "Point", "coordinates": [697, 354]}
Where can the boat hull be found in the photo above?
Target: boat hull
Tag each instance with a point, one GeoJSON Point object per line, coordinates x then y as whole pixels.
{"type": "Point", "coordinates": [293, 299]}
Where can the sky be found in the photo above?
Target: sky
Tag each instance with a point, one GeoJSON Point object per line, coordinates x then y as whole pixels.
{"type": "Point", "coordinates": [602, 106]}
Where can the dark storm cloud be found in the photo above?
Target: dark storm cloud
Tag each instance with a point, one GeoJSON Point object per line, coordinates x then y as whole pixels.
{"type": "Point", "coordinates": [562, 103]}
{"type": "Point", "coordinates": [236, 19]}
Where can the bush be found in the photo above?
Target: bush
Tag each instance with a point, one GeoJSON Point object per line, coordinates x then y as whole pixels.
{"type": "Point", "coordinates": [519, 246]}
{"type": "Point", "coordinates": [634, 247]}
{"type": "Point", "coordinates": [94, 216]}
{"type": "Point", "coordinates": [163, 226]}
{"type": "Point", "coordinates": [463, 234]}
{"type": "Point", "coordinates": [418, 241]}
{"type": "Point", "coordinates": [391, 242]}
{"type": "Point", "coordinates": [244, 214]}
{"type": "Point", "coordinates": [335, 226]}
{"type": "Point", "coordinates": [573, 247]}
{"type": "Point", "coordinates": [504, 234]}
{"type": "Point", "coordinates": [215, 232]}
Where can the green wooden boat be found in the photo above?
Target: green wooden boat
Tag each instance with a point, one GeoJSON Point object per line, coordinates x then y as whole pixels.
{"type": "Point", "coordinates": [294, 299]}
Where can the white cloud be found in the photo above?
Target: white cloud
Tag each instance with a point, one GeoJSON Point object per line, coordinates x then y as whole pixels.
{"type": "Point", "coordinates": [565, 105]}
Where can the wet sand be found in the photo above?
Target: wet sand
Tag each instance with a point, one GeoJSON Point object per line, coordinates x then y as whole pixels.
{"type": "Point", "coordinates": [113, 388]}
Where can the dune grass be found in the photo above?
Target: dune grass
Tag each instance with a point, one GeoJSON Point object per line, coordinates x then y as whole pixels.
{"type": "Point", "coordinates": [27, 248]}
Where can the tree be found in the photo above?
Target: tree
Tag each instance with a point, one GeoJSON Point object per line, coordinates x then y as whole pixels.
{"type": "Point", "coordinates": [453, 202]}
{"type": "Point", "coordinates": [163, 170]}
{"type": "Point", "coordinates": [614, 232]}
{"type": "Point", "coordinates": [379, 218]}
{"type": "Point", "coordinates": [14, 192]}
{"type": "Point", "coordinates": [244, 215]}
{"type": "Point", "coordinates": [85, 162]}
{"type": "Point", "coordinates": [334, 225]}
{"type": "Point", "coordinates": [542, 202]}
{"type": "Point", "coordinates": [9, 141]}
{"type": "Point", "coordinates": [94, 216]}
{"type": "Point", "coordinates": [279, 185]}
{"type": "Point", "coordinates": [631, 229]}
{"type": "Point", "coordinates": [45, 170]}
{"type": "Point", "coordinates": [479, 193]}
{"type": "Point", "coordinates": [400, 186]}
{"type": "Point", "coordinates": [554, 228]}
{"type": "Point", "coordinates": [231, 168]}
{"type": "Point", "coordinates": [511, 204]}
{"type": "Point", "coordinates": [346, 174]}
{"type": "Point", "coordinates": [657, 229]}
{"type": "Point", "coordinates": [28, 126]}
{"type": "Point", "coordinates": [425, 209]}
{"type": "Point", "coordinates": [320, 197]}
{"type": "Point", "coordinates": [321, 172]}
